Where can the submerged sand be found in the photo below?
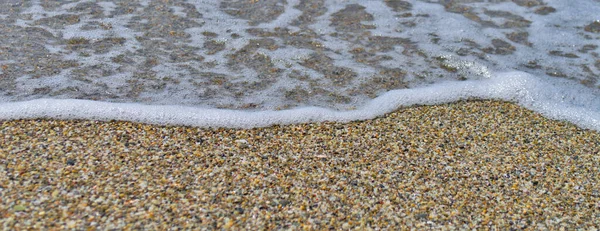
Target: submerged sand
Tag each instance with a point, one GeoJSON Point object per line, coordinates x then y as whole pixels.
{"type": "Point", "coordinates": [476, 164]}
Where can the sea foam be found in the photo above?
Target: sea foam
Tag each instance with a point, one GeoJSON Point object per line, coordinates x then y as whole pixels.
{"type": "Point", "coordinates": [557, 99]}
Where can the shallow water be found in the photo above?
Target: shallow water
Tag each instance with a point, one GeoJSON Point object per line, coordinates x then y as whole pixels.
{"type": "Point", "coordinates": [266, 55]}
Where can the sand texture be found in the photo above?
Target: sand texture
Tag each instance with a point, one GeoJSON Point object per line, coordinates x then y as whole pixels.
{"type": "Point", "coordinates": [477, 164]}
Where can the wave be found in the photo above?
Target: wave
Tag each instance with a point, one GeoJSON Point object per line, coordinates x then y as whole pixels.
{"type": "Point", "coordinates": [554, 98]}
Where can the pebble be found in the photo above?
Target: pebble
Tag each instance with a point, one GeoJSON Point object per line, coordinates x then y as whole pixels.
{"type": "Point", "coordinates": [466, 165]}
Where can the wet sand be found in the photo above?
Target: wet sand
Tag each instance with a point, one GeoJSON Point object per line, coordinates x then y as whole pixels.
{"type": "Point", "coordinates": [476, 164]}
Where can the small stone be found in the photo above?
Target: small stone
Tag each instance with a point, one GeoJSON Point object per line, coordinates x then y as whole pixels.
{"type": "Point", "coordinates": [71, 224]}
{"type": "Point", "coordinates": [239, 210]}
{"type": "Point", "coordinates": [242, 143]}
{"type": "Point", "coordinates": [19, 208]}
{"type": "Point", "coordinates": [421, 216]}
{"type": "Point", "coordinates": [346, 226]}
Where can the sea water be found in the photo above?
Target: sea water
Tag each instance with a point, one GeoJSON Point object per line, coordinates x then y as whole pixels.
{"type": "Point", "coordinates": [252, 63]}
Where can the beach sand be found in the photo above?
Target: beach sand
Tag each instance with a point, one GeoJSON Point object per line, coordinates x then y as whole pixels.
{"type": "Point", "coordinates": [475, 164]}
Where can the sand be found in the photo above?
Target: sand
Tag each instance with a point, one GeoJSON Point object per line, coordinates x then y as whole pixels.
{"type": "Point", "coordinates": [476, 164]}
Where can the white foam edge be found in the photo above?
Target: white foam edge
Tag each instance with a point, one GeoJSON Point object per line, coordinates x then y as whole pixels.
{"type": "Point", "coordinates": [518, 87]}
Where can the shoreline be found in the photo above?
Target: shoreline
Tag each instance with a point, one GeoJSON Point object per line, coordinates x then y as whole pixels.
{"type": "Point", "coordinates": [468, 164]}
